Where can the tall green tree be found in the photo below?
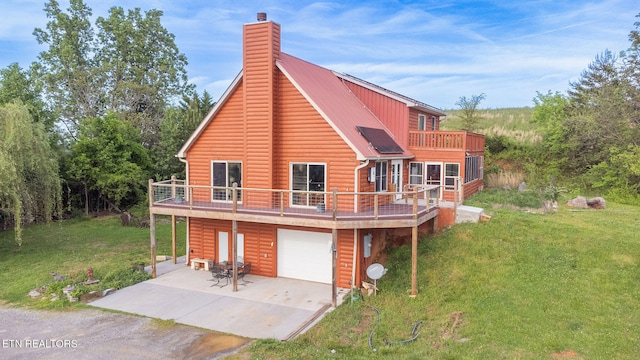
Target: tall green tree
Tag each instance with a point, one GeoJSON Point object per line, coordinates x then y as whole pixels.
{"type": "Point", "coordinates": [67, 67]}
{"type": "Point", "coordinates": [175, 128]}
{"type": "Point", "coordinates": [29, 181]}
{"type": "Point", "coordinates": [130, 66]}
{"type": "Point", "coordinates": [140, 66]}
{"type": "Point", "coordinates": [109, 158]}
{"type": "Point", "coordinates": [469, 109]}
{"type": "Point", "coordinates": [550, 115]}
{"type": "Point", "coordinates": [18, 84]}
{"type": "Point", "coordinates": [599, 114]}
{"type": "Point", "coordinates": [631, 70]}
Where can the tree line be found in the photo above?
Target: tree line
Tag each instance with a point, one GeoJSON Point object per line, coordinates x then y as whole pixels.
{"type": "Point", "coordinates": [105, 107]}
{"type": "Point", "coordinates": [591, 133]}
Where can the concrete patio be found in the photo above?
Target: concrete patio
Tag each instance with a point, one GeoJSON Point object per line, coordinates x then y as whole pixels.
{"type": "Point", "coordinates": [277, 308]}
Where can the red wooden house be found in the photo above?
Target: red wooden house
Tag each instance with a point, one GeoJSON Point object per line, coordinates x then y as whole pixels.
{"type": "Point", "coordinates": [309, 173]}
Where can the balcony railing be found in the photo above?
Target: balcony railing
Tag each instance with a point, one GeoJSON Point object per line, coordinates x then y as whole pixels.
{"type": "Point", "coordinates": [335, 205]}
{"type": "Point", "coordinates": [455, 140]}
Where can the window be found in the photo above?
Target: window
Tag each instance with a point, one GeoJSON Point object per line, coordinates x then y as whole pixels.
{"type": "Point", "coordinates": [223, 175]}
{"type": "Point", "coordinates": [433, 123]}
{"type": "Point", "coordinates": [381, 176]}
{"type": "Point", "coordinates": [473, 169]}
{"type": "Point", "coordinates": [306, 178]}
{"type": "Point", "coordinates": [422, 122]}
{"type": "Point", "coordinates": [415, 173]}
{"type": "Point", "coordinates": [451, 172]}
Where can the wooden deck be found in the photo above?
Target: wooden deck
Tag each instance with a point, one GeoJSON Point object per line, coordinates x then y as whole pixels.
{"type": "Point", "coordinates": [374, 210]}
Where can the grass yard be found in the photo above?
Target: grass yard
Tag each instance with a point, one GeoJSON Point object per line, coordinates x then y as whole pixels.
{"type": "Point", "coordinates": [70, 248]}
{"type": "Point", "coordinates": [521, 286]}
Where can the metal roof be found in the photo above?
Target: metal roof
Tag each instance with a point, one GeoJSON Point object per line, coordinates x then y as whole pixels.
{"type": "Point", "coordinates": [338, 105]}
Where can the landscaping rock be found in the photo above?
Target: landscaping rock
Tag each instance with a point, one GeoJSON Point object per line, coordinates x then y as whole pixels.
{"type": "Point", "coordinates": [85, 298]}
{"type": "Point", "coordinates": [56, 276]}
{"type": "Point", "coordinates": [34, 293]}
{"type": "Point", "coordinates": [597, 203]}
{"type": "Point", "coordinates": [579, 202]}
{"type": "Point", "coordinates": [522, 186]}
{"type": "Point", "coordinates": [108, 291]}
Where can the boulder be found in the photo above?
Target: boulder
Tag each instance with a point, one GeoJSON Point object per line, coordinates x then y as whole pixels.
{"type": "Point", "coordinates": [597, 203]}
{"type": "Point", "coordinates": [578, 202]}
{"type": "Point", "coordinates": [522, 186]}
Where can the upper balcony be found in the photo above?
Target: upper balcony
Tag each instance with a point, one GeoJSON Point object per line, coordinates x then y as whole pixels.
{"type": "Point", "coordinates": [332, 210]}
{"type": "Point", "coordinates": [446, 140]}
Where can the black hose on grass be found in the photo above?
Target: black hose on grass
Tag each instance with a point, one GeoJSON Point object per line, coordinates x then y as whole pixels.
{"type": "Point", "coordinates": [374, 329]}
{"type": "Point", "coordinates": [413, 332]}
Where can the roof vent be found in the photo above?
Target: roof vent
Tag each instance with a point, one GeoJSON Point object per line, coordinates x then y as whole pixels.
{"type": "Point", "coordinates": [262, 16]}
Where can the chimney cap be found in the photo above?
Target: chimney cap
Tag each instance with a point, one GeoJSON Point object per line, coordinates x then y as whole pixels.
{"type": "Point", "coordinates": [262, 16]}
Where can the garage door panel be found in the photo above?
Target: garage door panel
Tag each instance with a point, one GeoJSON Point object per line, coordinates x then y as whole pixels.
{"type": "Point", "coordinates": [304, 255]}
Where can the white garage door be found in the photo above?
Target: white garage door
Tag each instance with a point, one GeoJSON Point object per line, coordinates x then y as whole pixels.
{"type": "Point", "coordinates": [304, 255]}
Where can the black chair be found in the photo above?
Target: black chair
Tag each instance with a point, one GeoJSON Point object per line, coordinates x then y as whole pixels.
{"type": "Point", "coordinates": [244, 270]}
{"type": "Point", "coordinates": [217, 274]}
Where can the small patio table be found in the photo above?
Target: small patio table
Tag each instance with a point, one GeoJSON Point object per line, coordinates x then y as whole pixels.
{"type": "Point", "coordinates": [227, 270]}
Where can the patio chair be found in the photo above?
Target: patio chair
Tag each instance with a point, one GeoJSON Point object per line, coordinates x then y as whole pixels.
{"type": "Point", "coordinates": [217, 274]}
{"type": "Point", "coordinates": [244, 271]}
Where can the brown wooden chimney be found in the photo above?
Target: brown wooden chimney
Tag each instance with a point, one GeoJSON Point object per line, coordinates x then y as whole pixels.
{"type": "Point", "coordinates": [261, 49]}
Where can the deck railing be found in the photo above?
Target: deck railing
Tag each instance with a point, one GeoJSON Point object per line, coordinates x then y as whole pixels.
{"type": "Point", "coordinates": [457, 140]}
{"type": "Point", "coordinates": [277, 202]}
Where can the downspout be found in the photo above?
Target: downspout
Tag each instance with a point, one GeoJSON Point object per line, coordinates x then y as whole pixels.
{"type": "Point", "coordinates": [356, 179]}
{"type": "Point", "coordinates": [186, 181]}
{"type": "Point", "coordinates": [353, 264]}
{"type": "Point", "coordinates": [355, 231]}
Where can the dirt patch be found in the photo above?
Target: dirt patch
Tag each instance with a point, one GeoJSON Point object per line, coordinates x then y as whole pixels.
{"type": "Point", "coordinates": [449, 331]}
{"type": "Point", "coordinates": [567, 354]}
{"type": "Point", "coordinates": [216, 344]}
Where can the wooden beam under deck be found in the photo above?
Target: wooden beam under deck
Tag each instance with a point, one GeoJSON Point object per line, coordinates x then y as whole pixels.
{"type": "Point", "coordinates": [298, 220]}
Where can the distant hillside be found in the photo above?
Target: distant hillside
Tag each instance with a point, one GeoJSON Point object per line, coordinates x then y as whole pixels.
{"type": "Point", "coordinates": [516, 123]}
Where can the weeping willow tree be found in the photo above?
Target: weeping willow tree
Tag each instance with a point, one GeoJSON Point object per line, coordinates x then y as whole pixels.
{"type": "Point", "coordinates": [30, 188]}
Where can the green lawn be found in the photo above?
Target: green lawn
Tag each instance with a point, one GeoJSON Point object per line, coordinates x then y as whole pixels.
{"type": "Point", "coordinates": [70, 248]}
{"type": "Point", "coordinates": [521, 286]}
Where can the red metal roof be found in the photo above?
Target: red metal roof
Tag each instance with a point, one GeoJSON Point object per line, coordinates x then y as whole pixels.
{"type": "Point", "coordinates": [339, 106]}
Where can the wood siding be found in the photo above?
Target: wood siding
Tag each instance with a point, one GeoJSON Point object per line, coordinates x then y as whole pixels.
{"type": "Point", "coordinates": [260, 246]}
{"type": "Point", "coordinates": [223, 139]}
{"type": "Point", "coordinates": [261, 48]}
{"type": "Point", "coordinates": [392, 113]}
{"type": "Point", "coordinates": [304, 136]}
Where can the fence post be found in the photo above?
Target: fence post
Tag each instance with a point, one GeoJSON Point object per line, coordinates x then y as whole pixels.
{"type": "Point", "coordinates": [334, 203]}
{"type": "Point", "coordinates": [234, 196]}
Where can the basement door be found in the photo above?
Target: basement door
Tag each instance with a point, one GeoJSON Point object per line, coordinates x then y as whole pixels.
{"type": "Point", "coordinates": [225, 246]}
{"type": "Point", "coordinates": [304, 255]}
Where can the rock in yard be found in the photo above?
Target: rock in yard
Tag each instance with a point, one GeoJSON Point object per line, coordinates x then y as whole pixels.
{"type": "Point", "coordinates": [579, 202]}
{"type": "Point", "coordinates": [34, 293]}
{"type": "Point", "coordinates": [597, 203]}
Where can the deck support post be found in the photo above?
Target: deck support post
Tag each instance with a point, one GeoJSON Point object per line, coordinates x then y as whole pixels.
{"type": "Point", "coordinates": [414, 248]}
{"type": "Point", "coordinates": [414, 261]}
{"type": "Point", "coordinates": [152, 231]}
{"type": "Point", "coordinates": [334, 267]}
{"type": "Point", "coordinates": [173, 239]}
{"type": "Point", "coordinates": [234, 235]}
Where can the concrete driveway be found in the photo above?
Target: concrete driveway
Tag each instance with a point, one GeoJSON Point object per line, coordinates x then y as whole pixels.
{"type": "Point", "coordinates": [277, 308]}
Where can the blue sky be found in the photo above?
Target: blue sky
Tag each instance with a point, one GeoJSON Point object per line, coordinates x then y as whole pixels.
{"type": "Point", "coordinates": [432, 51]}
